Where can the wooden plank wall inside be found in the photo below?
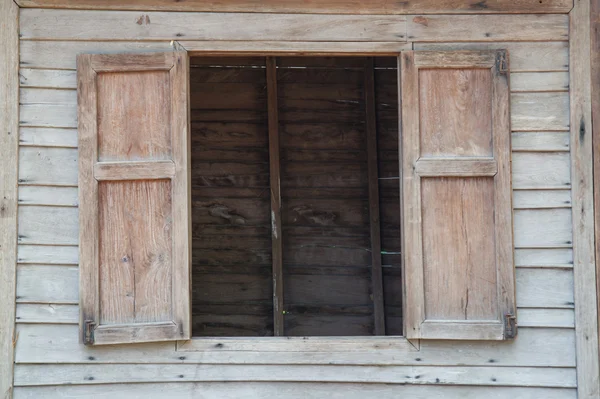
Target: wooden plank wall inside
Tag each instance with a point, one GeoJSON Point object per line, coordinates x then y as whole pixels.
{"type": "Point", "coordinates": [326, 243]}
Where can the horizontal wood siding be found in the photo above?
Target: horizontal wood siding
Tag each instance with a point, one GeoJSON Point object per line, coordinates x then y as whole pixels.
{"type": "Point", "coordinates": [50, 362]}
{"type": "Point", "coordinates": [322, 7]}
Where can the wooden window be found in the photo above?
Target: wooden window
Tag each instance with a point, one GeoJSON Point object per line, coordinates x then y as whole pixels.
{"type": "Point", "coordinates": [294, 164]}
{"type": "Point", "coordinates": [281, 209]}
{"type": "Point", "coordinates": [456, 186]}
{"type": "Point", "coordinates": [133, 196]}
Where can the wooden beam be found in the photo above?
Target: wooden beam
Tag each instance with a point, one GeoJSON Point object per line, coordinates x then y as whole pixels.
{"type": "Point", "coordinates": [9, 148]}
{"type": "Point", "coordinates": [320, 7]}
{"type": "Point", "coordinates": [373, 181]}
{"type": "Point", "coordinates": [584, 269]}
{"type": "Point", "coordinates": [595, 94]}
{"type": "Point", "coordinates": [84, 25]}
{"type": "Point", "coordinates": [275, 182]}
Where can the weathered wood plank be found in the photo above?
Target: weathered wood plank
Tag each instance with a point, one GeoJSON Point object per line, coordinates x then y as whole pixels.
{"type": "Point", "coordinates": [537, 199]}
{"type": "Point", "coordinates": [524, 56]}
{"type": "Point", "coordinates": [48, 166]}
{"type": "Point", "coordinates": [542, 81]}
{"type": "Point", "coordinates": [9, 147]}
{"type": "Point", "coordinates": [275, 190]}
{"type": "Point", "coordinates": [545, 288]}
{"type": "Point", "coordinates": [373, 184]}
{"type": "Point", "coordinates": [47, 284]}
{"type": "Point", "coordinates": [48, 225]}
{"type": "Point", "coordinates": [130, 25]}
{"type": "Point", "coordinates": [42, 54]}
{"type": "Point", "coordinates": [47, 254]}
{"type": "Point", "coordinates": [540, 141]}
{"type": "Point", "coordinates": [47, 313]}
{"type": "Point", "coordinates": [92, 374]}
{"type": "Point", "coordinates": [231, 390]}
{"type": "Point", "coordinates": [535, 170]}
{"type": "Point", "coordinates": [582, 169]}
{"type": "Point", "coordinates": [539, 111]}
{"type": "Point", "coordinates": [44, 195]}
{"type": "Point", "coordinates": [47, 137]}
{"type": "Point", "coordinates": [535, 347]}
{"type": "Point", "coordinates": [323, 7]}
{"type": "Point", "coordinates": [48, 115]}
{"type": "Point", "coordinates": [320, 48]}
{"type": "Point", "coordinates": [559, 318]}
{"type": "Point", "coordinates": [485, 28]}
{"type": "Point", "coordinates": [544, 257]}
{"type": "Point", "coordinates": [595, 104]}
{"type": "Point", "coordinates": [543, 228]}
{"type": "Point", "coordinates": [47, 78]}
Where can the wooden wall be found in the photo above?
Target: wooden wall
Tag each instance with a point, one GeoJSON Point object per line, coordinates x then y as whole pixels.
{"type": "Point", "coordinates": [50, 362]}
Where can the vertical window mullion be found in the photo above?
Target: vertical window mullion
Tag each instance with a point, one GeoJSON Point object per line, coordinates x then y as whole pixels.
{"type": "Point", "coordinates": [373, 182]}
{"type": "Point", "coordinates": [275, 185]}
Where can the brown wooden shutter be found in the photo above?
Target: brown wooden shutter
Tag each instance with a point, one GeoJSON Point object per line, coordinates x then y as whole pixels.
{"type": "Point", "coordinates": [457, 212]}
{"type": "Point", "coordinates": [134, 206]}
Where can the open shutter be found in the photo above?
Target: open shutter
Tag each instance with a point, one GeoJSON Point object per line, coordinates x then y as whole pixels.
{"type": "Point", "coordinates": [457, 211]}
{"type": "Point", "coordinates": [134, 208]}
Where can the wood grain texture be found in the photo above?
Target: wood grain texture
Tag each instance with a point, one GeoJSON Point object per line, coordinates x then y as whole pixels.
{"type": "Point", "coordinates": [373, 182]}
{"type": "Point", "coordinates": [290, 390]}
{"type": "Point", "coordinates": [39, 54]}
{"type": "Point", "coordinates": [454, 273]}
{"type": "Point", "coordinates": [486, 28]}
{"type": "Point", "coordinates": [47, 137]}
{"type": "Point", "coordinates": [135, 233]}
{"type": "Point", "coordinates": [143, 134]}
{"type": "Point", "coordinates": [545, 347]}
{"type": "Point", "coordinates": [36, 23]}
{"type": "Point", "coordinates": [65, 25]}
{"type": "Point", "coordinates": [458, 226]}
{"type": "Point", "coordinates": [135, 251]}
{"type": "Point", "coordinates": [278, 48]}
{"type": "Point", "coordinates": [524, 56]}
{"type": "Point", "coordinates": [35, 375]}
{"type": "Point", "coordinates": [444, 129]}
{"type": "Point", "coordinates": [323, 7]}
{"type": "Point", "coordinates": [582, 169]}
{"type": "Point", "coordinates": [9, 144]}
{"type": "Point", "coordinates": [275, 188]}
{"type": "Point", "coordinates": [595, 94]}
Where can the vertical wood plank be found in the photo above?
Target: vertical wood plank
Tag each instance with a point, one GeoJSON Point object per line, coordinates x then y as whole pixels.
{"type": "Point", "coordinates": [412, 240]}
{"type": "Point", "coordinates": [595, 85]}
{"type": "Point", "coordinates": [373, 181]}
{"type": "Point", "coordinates": [503, 213]}
{"type": "Point", "coordinates": [88, 192]}
{"type": "Point", "coordinates": [9, 147]}
{"type": "Point", "coordinates": [584, 269]}
{"type": "Point", "coordinates": [181, 186]}
{"type": "Point", "coordinates": [275, 183]}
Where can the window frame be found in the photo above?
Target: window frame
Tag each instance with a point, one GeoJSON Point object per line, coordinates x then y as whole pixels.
{"type": "Point", "coordinates": [334, 348]}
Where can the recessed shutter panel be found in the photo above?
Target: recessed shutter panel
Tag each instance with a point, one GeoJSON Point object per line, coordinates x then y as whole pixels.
{"type": "Point", "coordinates": [457, 212]}
{"type": "Point", "coordinates": [134, 197]}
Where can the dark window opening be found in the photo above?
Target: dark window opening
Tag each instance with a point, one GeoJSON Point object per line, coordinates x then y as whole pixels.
{"type": "Point", "coordinates": [340, 207]}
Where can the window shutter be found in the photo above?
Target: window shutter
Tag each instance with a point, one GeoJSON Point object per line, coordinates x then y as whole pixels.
{"type": "Point", "coordinates": [457, 211]}
{"type": "Point", "coordinates": [134, 239]}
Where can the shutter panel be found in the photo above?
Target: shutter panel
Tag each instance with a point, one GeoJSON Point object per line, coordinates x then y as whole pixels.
{"type": "Point", "coordinates": [457, 211]}
{"type": "Point", "coordinates": [134, 207]}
